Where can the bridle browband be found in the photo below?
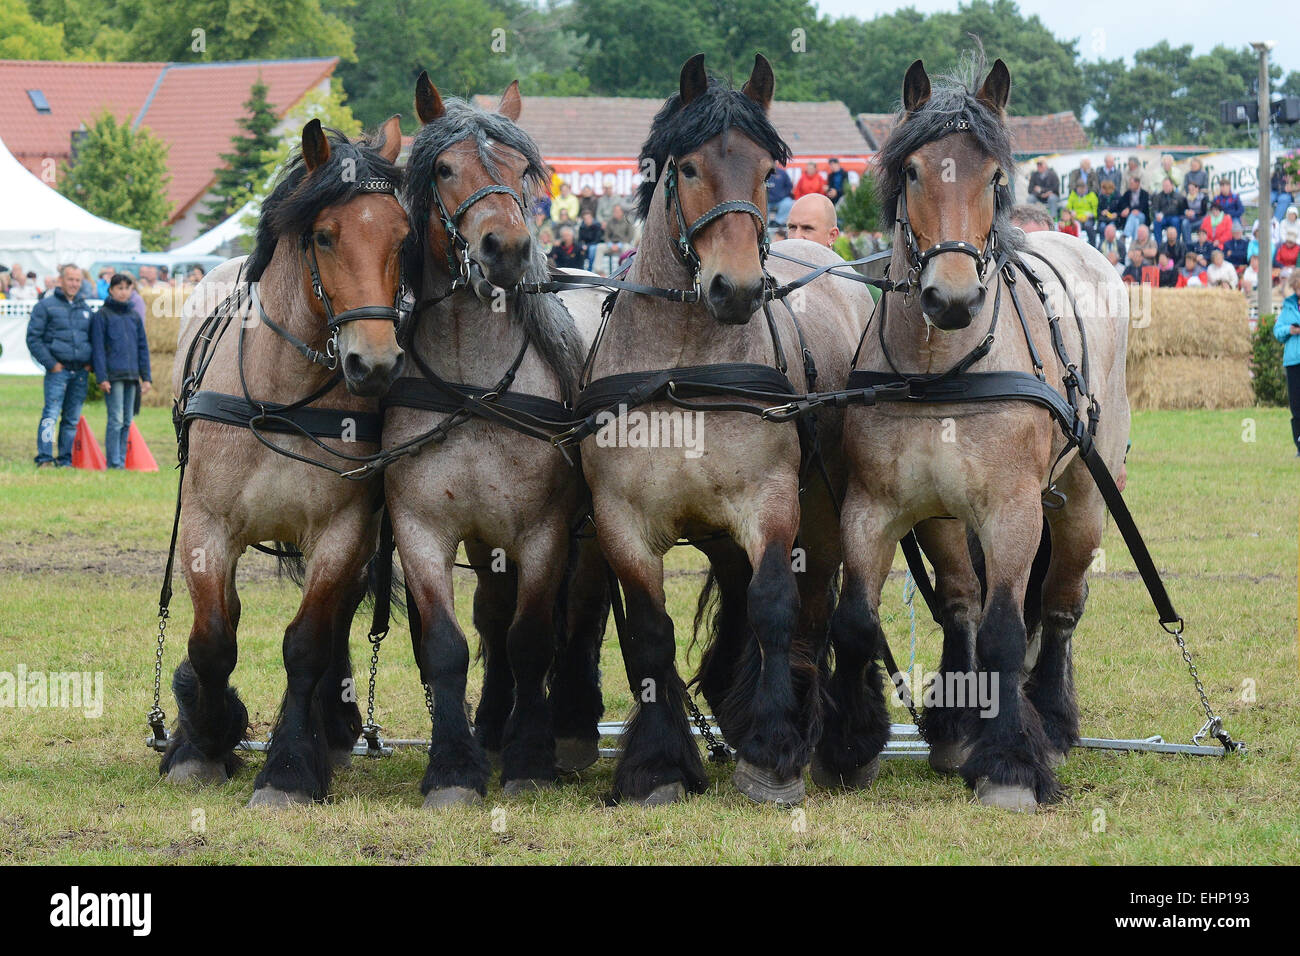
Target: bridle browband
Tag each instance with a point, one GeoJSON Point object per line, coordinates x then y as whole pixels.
{"type": "Point", "coordinates": [307, 247]}
{"type": "Point", "coordinates": [919, 259]}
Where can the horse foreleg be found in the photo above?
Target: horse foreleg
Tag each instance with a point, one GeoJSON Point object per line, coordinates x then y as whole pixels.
{"type": "Point", "coordinates": [494, 609]}
{"type": "Point", "coordinates": [211, 719]}
{"type": "Point", "coordinates": [336, 694]}
{"type": "Point", "coordinates": [576, 703]}
{"type": "Point", "coordinates": [730, 658]}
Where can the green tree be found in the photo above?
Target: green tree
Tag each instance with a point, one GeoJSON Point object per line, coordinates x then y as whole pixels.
{"type": "Point", "coordinates": [860, 209]}
{"type": "Point", "coordinates": [25, 37]}
{"type": "Point", "coordinates": [246, 167]}
{"type": "Point", "coordinates": [1267, 377]}
{"type": "Point", "coordinates": [121, 174]}
{"type": "Point", "coordinates": [210, 30]}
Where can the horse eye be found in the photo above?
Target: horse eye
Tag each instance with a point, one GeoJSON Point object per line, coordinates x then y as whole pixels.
{"type": "Point", "coordinates": [444, 170]}
{"type": "Point", "coordinates": [688, 170]}
{"type": "Point", "coordinates": [911, 174]}
{"type": "Point", "coordinates": [322, 239]}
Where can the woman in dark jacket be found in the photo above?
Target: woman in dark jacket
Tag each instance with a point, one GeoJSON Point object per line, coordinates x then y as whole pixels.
{"type": "Point", "coordinates": [120, 356]}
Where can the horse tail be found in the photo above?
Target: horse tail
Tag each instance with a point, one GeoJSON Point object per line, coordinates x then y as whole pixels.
{"type": "Point", "coordinates": [289, 563]}
{"type": "Point", "coordinates": [376, 573]}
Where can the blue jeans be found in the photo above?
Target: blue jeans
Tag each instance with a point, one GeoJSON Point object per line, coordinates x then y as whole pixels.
{"type": "Point", "coordinates": [1158, 228]}
{"type": "Point", "coordinates": [65, 392]}
{"type": "Point", "coordinates": [1134, 220]}
{"type": "Point", "coordinates": [121, 409]}
{"type": "Point", "coordinates": [781, 213]}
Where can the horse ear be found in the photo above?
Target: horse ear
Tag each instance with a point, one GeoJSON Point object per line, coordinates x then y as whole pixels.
{"type": "Point", "coordinates": [997, 88]}
{"type": "Point", "coordinates": [761, 83]}
{"type": "Point", "coordinates": [512, 103]}
{"type": "Point", "coordinates": [392, 145]}
{"type": "Point", "coordinates": [916, 87]}
{"type": "Point", "coordinates": [428, 104]}
{"type": "Point", "coordinates": [694, 80]}
{"type": "Point", "coordinates": [315, 147]}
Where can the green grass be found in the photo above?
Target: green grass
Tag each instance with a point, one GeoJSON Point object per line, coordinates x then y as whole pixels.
{"type": "Point", "coordinates": [81, 554]}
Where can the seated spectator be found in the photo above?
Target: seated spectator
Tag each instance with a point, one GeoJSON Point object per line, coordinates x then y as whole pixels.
{"type": "Point", "coordinates": [837, 181]}
{"type": "Point", "coordinates": [22, 285]}
{"type": "Point", "coordinates": [546, 240]}
{"type": "Point", "coordinates": [1083, 205]}
{"type": "Point", "coordinates": [568, 253]}
{"type": "Point", "coordinates": [1229, 201]}
{"type": "Point", "coordinates": [1168, 207]}
{"type": "Point", "coordinates": [1134, 171]}
{"type": "Point", "coordinates": [1198, 207]}
{"type": "Point", "coordinates": [1150, 250]}
{"type": "Point", "coordinates": [1285, 258]}
{"type": "Point", "coordinates": [779, 196]}
{"type": "Point", "coordinates": [537, 223]}
{"type": "Point", "coordinates": [1289, 225]}
{"type": "Point", "coordinates": [1109, 203]}
{"type": "Point", "coordinates": [1219, 272]}
{"type": "Point", "coordinates": [1167, 171]}
{"type": "Point", "coordinates": [606, 201]}
{"type": "Point", "coordinates": [1217, 226]}
{"type": "Point", "coordinates": [1113, 258]}
{"type": "Point", "coordinates": [1087, 175]}
{"type": "Point", "coordinates": [590, 235]}
{"type": "Point", "coordinates": [1067, 224]}
{"type": "Point", "coordinates": [120, 357]}
{"type": "Point", "coordinates": [1168, 272]}
{"type": "Point", "coordinates": [542, 206]}
{"type": "Point", "coordinates": [1173, 245]}
{"type": "Point", "coordinates": [1235, 250]}
{"type": "Point", "coordinates": [1250, 276]}
{"type": "Point", "coordinates": [1201, 247]}
{"type": "Point", "coordinates": [1029, 217]}
{"type": "Point", "coordinates": [1191, 274]}
{"type": "Point", "coordinates": [812, 217]}
{"type": "Point", "coordinates": [620, 236]}
{"type": "Point", "coordinates": [1045, 187]}
{"type": "Point", "coordinates": [1196, 176]}
{"type": "Point", "coordinates": [1136, 209]}
{"type": "Point", "coordinates": [586, 202]}
{"type": "Point", "coordinates": [810, 183]}
{"type": "Point", "coordinates": [1112, 242]}
{"type": "Point", "coordinates": [1133, 271]}
{"type": "Point", "coordinates": [564, 208]}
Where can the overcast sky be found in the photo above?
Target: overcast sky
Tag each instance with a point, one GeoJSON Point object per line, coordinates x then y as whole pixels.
{"type": "Point", "coordinates": [1128, 27]}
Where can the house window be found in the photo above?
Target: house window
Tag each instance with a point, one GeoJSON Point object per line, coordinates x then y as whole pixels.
{"type": "Point", "coordinates": [39, 101]}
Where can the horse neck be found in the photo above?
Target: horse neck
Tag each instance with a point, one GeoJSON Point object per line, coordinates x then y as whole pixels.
{"type": "Point", "coordinates": [271, 365]}
{"type": "Point", "coordinates": [462, 338]}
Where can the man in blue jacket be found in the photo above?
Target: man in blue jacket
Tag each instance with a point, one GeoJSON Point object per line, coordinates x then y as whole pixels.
{"type": "Point", "coordinates": [780, 196]}
{"type": "Point", "coordinates": [120, 356]}
{"type": "Point", "coordinates": [1287, 331]}
{"type": "Point", "coordinates": [58, 336]}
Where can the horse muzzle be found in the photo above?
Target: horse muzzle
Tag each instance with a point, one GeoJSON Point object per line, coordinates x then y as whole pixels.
{"type": "Point", "coordinates": [731, 302]}
{"type": "Point", "coordinates": [369, 377]}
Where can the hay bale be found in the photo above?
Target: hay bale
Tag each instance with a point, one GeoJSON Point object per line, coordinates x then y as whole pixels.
{"type": "Point", "coordinates": [162, 323]}
{"type": "Point", "coordinates": [1210, 323]}
{"type": "Point", "coordinates": [160, 364]}
{"type": "Point", "coordinates": [1188, 381]}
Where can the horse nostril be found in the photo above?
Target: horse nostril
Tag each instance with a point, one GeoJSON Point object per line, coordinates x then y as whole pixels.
{"type": "Point", "coordinates": [720, 290]}
{"type": "Point", "coordinates": [932, 303]}
{"type": "Point", "coordinates": [355, 367]}
{"type": "Point", "coordinates": [490, 245]}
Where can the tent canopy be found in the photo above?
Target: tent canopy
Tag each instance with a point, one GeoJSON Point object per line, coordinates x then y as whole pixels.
{"type": "Point", "coordinates": [41, 229]}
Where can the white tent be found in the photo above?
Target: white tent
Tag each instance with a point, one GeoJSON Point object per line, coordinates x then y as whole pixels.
{"type": "Point", "coordinates": [40, 229]}
{"type": "Point", "coordinates": [226, 231]}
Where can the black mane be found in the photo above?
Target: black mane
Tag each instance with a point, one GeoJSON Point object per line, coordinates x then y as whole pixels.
{"type": "Point", "coordinates": [952, 99]}
{"type": "Point", "coordinates": [299, 197]}
{"type": "Point", "coordinates": [677, 130]}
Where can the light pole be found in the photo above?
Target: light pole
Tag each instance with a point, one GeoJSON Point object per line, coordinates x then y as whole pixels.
{"type": "Point", "coordinates": [1265, 192]}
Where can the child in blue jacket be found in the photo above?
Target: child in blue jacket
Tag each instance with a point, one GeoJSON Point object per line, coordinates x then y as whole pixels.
{"type": "Point", "coordinates": [1287, 331]}
{"type": "Point", "coordinates": [120, 357]}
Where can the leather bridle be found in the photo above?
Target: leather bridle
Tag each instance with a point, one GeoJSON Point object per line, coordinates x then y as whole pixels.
{"type": "Point", "coordinates": [686, 234]}
{"type": "Point", "coordinates": [458, 260]}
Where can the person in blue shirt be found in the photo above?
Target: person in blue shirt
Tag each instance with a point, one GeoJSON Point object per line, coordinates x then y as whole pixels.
{"type": "Point", "coordinates": [120, 355]}
{"type": "Point", "coordinates": [837, 181]}
{"type": "Point", "coordinates": [58, 337]}
{"type": "Point", "coordinates": [780, 196]}
{"type": "Point", "coordinates": [1287, 331]}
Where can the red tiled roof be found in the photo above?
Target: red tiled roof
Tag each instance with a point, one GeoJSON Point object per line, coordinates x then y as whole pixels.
{"type": "Point", "coordinates": [193, 107]}
{"type": "Point", "coordinates": [591, 126]}
{"type": "Point", "coordinates": [1048, 133]}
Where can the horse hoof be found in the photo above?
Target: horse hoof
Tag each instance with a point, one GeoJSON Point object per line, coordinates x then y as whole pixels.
{"type": "Point", "coordinates": [444, 797]}
{"type": "Point", "coordinates": [763, 786]}
{"type": "Point", "coordinates": [512, 788]}
{"type": "Point", "coordinates": [196, 770]}
{"type": "Point", "coordinates": [271, 798]}
{"type": "Point", "coordinates": [860, 778]}
{"type": "Point", "coordinates": [341, 757]}
{"type": "Point", "coordinates": [948, 757]}
{"type": "Point", "coordinates": [575, 754]}
{"type": "Point", "coordinates": [1005, 796]}
{"type": "Point", "coordinates": [661, 795]}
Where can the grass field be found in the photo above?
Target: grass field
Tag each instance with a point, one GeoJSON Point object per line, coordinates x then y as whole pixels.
{"type": "Point", "coordinates": [81, 555]}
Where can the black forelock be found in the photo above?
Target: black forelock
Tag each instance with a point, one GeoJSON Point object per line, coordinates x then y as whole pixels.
{"type": "Point", "coordinates": [677, 130]}
{"type": "Point", "coordinates": [952, 99]}
{"type": "Point", "coordinates": [299, 196]}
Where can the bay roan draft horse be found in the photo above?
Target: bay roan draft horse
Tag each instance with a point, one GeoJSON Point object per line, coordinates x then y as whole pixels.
{"type": "Point", "coordinates": [957, 263]}
{"type": "Point", "coordinates": [509, 495]}
{"type": "Point", "coordinates": [314, 318]}
{"type": "Point", "coordinates": [710, 151]}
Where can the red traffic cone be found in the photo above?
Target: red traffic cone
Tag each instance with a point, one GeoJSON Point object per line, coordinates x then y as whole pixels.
{"type": "Point", "coordinates": [86, 452]}
{"type": "Point", "coordinates": [138, 456]}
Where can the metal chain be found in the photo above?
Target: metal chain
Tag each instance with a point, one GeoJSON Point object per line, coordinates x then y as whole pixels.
{"type": "Point", "coordinates": [718, 751]}
{"type": "Point", "coordinates": [428, 700]}
{"type": "Point", "coordinates": [1213, 726]}
{"type": "Point", "coordinates": [158, 719]}
{"type": "Point", "coordinates": [370, 730]}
